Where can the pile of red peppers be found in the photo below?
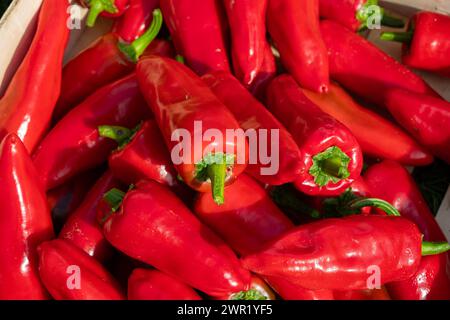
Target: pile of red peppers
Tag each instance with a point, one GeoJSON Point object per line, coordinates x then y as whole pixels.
{"type": "Point", "coordinates": [91, 167]}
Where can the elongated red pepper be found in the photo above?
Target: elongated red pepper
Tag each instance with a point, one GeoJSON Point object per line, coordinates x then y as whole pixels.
{"type": "Point", "coordinates": [252, 115]}
{"type": "Point", "coordinates": [266, 74]}
{"type": "Point", "coordinates": [27, 105]}
{"type": "Point", "coordinates": [426, 43]}
{"type": "Point", "coordinates": [318, 256]}
{"type": "Point", "coordinates": [426, 118]}
{"type": "Point", "coordinates": [196, 30]}
{"type": "Point", "coordinates": [431, 280]}
{"type": "Point", "coordinates": [364, 69]}
{"type": "Point", "coordinates": [25, 222]}
{"type": "Point", "coordinates": [136, 19]}
{"type": "Point", "coordinates": [106, 60]}
{"type": "Point", "coordinates": [248, 33]}
{"type": "Point", "coordinates": [71, 274]}
{"type": "Point", "coordinates": [304, 55]}
{"type": "Point", "coordinates": [155, 285]}
{"type": "Point", "coordinates": [356, 14]}
{"type": "Point", "coordinates": [154, 226]}
{"type": "Point", "coordinates": [331, 156]}
{"type": "Point", "coordinates": [82, 228]}
{"type": "Point", "coordinates": [184, 108]}
{"type": "Point", "coordinates": [105, 8]}
{"type": "Point", "coordinates": [377, 136]}
{"type": "Point", "coordinates": [74, 144]}
{"type": "Point", "coordinates": [369, 294]}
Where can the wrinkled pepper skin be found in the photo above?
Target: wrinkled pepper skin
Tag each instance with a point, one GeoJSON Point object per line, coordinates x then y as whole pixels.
{"type": "Point", "coordinates": [336, 253]}
{"type": "Point", "coordinates": [136, 19]}
{"type": "Point", "coordinates": [196, 29]}
{"type": "Point", "coordinates": [26, 107]}
{"type": "Point", "coordinates": [343, 12]}
{"type": "Point", "coordinates": [426, 118]}
{"type": "Point", "coordinates": [253, 115]}
{"type": "Point", "coordinates": [146, 284]}
{"type": "Point", "coordinates": [364, 69]}
{"type": "Point", "coordinates": [56, 258]}
{"type": "Point", "coordinates": [315, 132]}
{"type": "Point", "coordinates": [155, 227]}
{"type": "Point", "coordinates": [74, 144]}
{"type": "Point", "coordinates": [82, 228]}
{"type": "Point", "coordinates": [25, 222]}
{"type": "Point", "coordinates": [247, 21]}
{"type": "Point", "coordinates": [377, 137]}
{"type": "Point", "coordinates": [294, 26]}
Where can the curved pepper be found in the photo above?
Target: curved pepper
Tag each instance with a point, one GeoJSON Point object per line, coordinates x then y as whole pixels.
{"type": "Point", "coordinates": [331, 156]}
{"type": "Point", "coordinates": [25, 222]}
{"type": "Point", "coordinates": [27, 105]}
{"type": "Point", "coordinates": [248, 34]}
{"type": "Point", "coordinates": [196, 29]}
{"type": "Point", "coordinates": [146, 284]}
{"type": "Point", "coordinates": [71, 274]}
{"type": "Point", "coordinates": [364, 69]}
{"type": "Point", "coordinates": [253, 115]}
{"type": "Point", "coordinates": [106, 60]}
{"type": "Point", "coordinates": [181, 102]}
{"type": "Point", "coordinates": [105, 8]}
{"type": "Point", "coordinates": [74, 144]}
{"type": "Point", "coordinates": [377, 136]}
{"type": "Point", "coordinates": [153, 226]}
{"type": "Point", "coordinates": [426, 43]}
{"type": "Point", "coordinates": [294, 26]}
{"type": "Point", "coordinates": [266, 74]}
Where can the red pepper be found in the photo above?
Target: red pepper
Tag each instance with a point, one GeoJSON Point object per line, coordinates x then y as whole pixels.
{"type": "Point", "coordinates": [426, 118]}
{"type": "Point", "coordinates": [155, 285]}
{"type": "Point", "coordinates": [331, 156]}
{"type": "Point", "coordinates": [106, 60]}
{"type": "Point", "coordinates": [27, 105]}
{"type": "Point", "coordinates": [426, 43]}
{"type": "Point", "coordinates": [368, 294]}
{"type": "Point", "coordinates": [337, 253]}
{"type": "Point", "coordinates": [71, 274]}
{"type": "Point", "coordinates": [82, 228]}
{"type": "Point", "coordinates": [294, 26]}
{"type": "Point", "coordinates": [266, 74]}
{"type": "Point", "coordinates": [154, 226]}
{"type": "Point", "coordinates": [377, 136]}
{"type": "Point", "coordinates": [74, 144]}
{"type": "Point", "coordinates": [104, 8]}
{"type": "Point", "coordinates": [364, 69]}
{"type": "Point", "coordinates": [248, 33]}
{"type": "Point", "coordinates": [196, 30]}
{"type": "Point", "coordinates": [252, 115]}
{"type": "Point", "coordinates": [135, 20]}
{"type": "Point", "coordinates": [25, 222]}
{"type": "Point", "coordinates": [178, 98]}
{"type": "Point", "coordinates": [355, 14]}
{"type": "Point", "coordinates": [431, 280]}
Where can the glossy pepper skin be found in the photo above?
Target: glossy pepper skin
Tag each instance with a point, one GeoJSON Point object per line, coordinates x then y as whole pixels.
{"type": "Point", "coordinates": [146, 284]}
{"type": "Point", "coordinates": [27, 105]}
{"type": "Point", "coordinates": [179, 99]}
{"type": "Point", "coordinates": [377, 136]}
{"type": "Point", "coordinates": [331, 155]}
{"type": "Point", "coordinates": [364, 69]}
{"type": "Point", "coordinates": [74, 144]}
{"type": "Point", "coordinates": [426, 118]}
{"type": "Point", "coordinates": [251, 114]}
{"type": "Point", "coordinates": [104, 8]}
{"type": "Point", "coordinates": [304, 54]}
{"type": "Point", "coordinates": [431, 281]}
{"type": "Point", "coordinates": [329, 260]}
{"type": "Point", "coordinates": [136, 19]}
{"type": "Point", "coordinates": [153, 226]}
{"type": "Point", "coordinates": [197, 31]}
{"type": "Point", "coordinates": [266, 74]}
{"type": "Point", "coordinates": [82, 228]}
{"type": "Point", "coordinates": [57, 259]}
{"type": "Point", "coordinates": [25, 222]}
{"type": "Point", "coordinates": [247, 21]}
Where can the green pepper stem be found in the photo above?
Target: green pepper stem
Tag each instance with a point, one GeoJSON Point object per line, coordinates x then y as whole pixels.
{"type": "Point", "coordinates": [96, 7]}
{"type": "Point", "coordinates": [135, 50]}
{"type": "Point", "coordinates": [432, 248]}
{"type": "Point", "coordinates": [330, 165]}
{"type": "Point", "coordinates": [114, 198]}
{"type": "Point", "coordinates": [217, 173]}
{"type": "Point", "coordinates": [377, 203]}
{"type": "Point", "coordinates": [403, 37]}
{"type": "Point", "coordinates": [119, 134]}
{"type": "Point", "coordinates": [248, 295]}
{"type": "Point", "coordinates": [180, 58]}
{"type": "Point", "coordinates": [393, 22]}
